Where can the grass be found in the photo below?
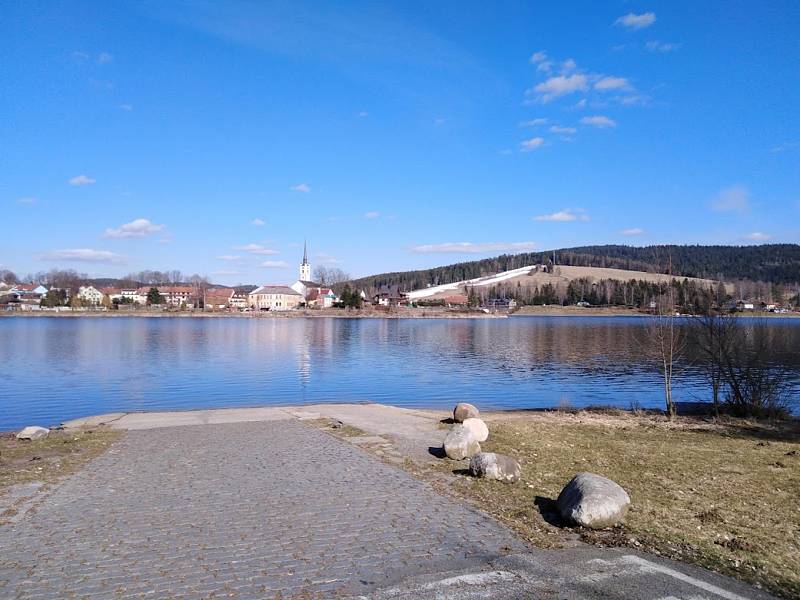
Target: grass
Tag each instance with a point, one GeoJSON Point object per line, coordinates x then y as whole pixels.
{"type": "Point", "coordinates": [48, 459]}
{"type": "Point", "coordinates": [719, 494]}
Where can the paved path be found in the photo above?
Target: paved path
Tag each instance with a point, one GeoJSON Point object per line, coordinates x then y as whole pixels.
{"type": "Point", "coordinates": [273, 508]}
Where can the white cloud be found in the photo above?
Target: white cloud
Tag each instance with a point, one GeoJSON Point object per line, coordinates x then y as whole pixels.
{"type": "Point", "coordinates": [137, 228]}
{"type": "Point", "coordinates": [81, 180]}
{"type": "Point", "coordinates": [229, 257]}
{"type": "Point", "coordinates": [561, 85]}
{"type": "Point", "coordinates": [533, 123]}
{"type": "Point", "coordinates": [758, 236]}
{"type": "Point", "coordinates": [301, 187]}
{"type": "Point", "coordinates": [632, 231]}
{"type": "Point", "coordinates": [538, 57]}
{"type": "Point", "coordinates": [605, 84]}
{"type": "Point", "coordinates": [257, 222]}
{"type": "Point", "coordinates": [474, 248]}
{"type": "Point", "coordinates": [104, 58]}
{"type": "Point", "coordinates": [126, 107]}
{"type": "Point", "coordinates": [568, 65]}
{"type": "Point", "coordinates": [373, 214]}
{"type": "Point", "coordinates": [633, 100]}
{"type": "Point", "coordinates": [363, 114]}
{"type": "Point", "coordinates": [563, 130]}
{"type": "Point", "coordinates": [580, 103]}
{"type": "Point", "coordinates": [275, 264]}
{"type": "Point", "coordinates": [82, 255]}
{"type": "Point", "coordinates": [326, 259]}
{"type": "Point", "coordinates": [564, 216]}
{"type": "Point", "coordinates": [784, 147]}
{"type": "Point", "coordinates": [257, 249]}
{"type": "Point", "coordinates": [225, 272]}
{"type": "Point", "coordinates": [531, 144]}
{"type": "Point", "coordinates": [27, 200]}
{"type": "Point", "coordinates": [598, 121]}
{"type": "Point", "coordinates": [733, 198]}
{"type": "Point", "coordinates": [656, 46]}
{"type": "Point", "coordinates": [634, 21]}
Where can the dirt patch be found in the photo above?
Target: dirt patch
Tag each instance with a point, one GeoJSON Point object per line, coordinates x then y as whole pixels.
{"type": "Point", "coordinates": [48, 459]}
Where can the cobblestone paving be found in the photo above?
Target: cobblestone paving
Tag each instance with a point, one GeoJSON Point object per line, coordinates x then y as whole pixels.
{"type": "Point", "coordinates": [246, 510]}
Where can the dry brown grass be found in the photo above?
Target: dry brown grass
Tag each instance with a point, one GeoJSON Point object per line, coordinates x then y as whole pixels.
{"type": "Point", "coordinates": [721, 494]}
{"type": "Point", "coordinates": [50, 458]}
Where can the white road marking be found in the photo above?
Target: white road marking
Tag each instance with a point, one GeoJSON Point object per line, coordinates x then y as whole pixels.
{"type": "Point", "coordinates": [650, 567]}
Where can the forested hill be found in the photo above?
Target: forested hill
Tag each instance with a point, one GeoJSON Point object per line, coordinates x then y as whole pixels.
{"type": "Point", "coordinates": [775, 263]}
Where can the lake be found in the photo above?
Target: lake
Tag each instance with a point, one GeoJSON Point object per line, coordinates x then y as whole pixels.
{"type": "Point", "coordinates": [55, 369]}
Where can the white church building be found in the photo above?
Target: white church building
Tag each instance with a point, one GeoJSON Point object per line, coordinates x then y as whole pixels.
{"type": "Point", "coordinates": [313, 293]}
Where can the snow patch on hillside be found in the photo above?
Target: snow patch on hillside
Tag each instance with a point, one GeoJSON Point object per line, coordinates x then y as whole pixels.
{"type": "Point", "coordinates": [478, 281]}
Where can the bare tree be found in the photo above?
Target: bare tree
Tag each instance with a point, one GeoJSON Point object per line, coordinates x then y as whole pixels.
{"type": "Point", "coordinates": [7, 276]}
{"type": "Point", "coordinates": [330, 276]}
{"type": "Point", "coordinates": [715, 337]}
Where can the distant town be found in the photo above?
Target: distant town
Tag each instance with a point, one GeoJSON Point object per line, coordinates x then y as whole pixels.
{"type": "Point", "coordinates": [536, 285]}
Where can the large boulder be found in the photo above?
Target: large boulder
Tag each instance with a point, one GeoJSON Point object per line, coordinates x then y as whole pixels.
{"type": "Point", "coordinates": [495, 466]}
{"type": "Point", "coordinates": [593, 501]}
{"type": "Point", "coordinates": [464, 411]}
{"type": "Point", "coordinates": [460, 443]}
{"type": "Point", "coordinates": [33, 432]}
{"type": "Point", "coordinates": [477, 428]}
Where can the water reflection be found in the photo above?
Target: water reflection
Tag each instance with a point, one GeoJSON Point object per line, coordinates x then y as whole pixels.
{"type": "Point", "coordinates": [57, 368]}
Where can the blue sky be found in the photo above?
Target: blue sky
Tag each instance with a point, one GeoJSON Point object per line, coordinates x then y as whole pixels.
{"type": "Point", "coordinates": [214, 137]}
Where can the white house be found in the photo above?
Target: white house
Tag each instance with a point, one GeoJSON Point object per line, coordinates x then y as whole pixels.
{"type": "Point", "coordinates": [90, 295]}
{"type": "Point", "coordinates": [274, 297]}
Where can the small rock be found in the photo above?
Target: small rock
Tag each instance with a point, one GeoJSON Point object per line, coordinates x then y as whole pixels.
{"type": "Point", "coordinates": [495, 466]}
{"type": "Point", "coordinates": [593, 501]}
{"type": "Point", "coordinates": [337, 424]}
{"type": "Point", "coordinates": [460, 444]}
{"type": "Point", "coordinates": [477, 428]}
{"type": "Point", "coordinates": [464, 411]}
{"type": "Point", "coordinates": [33, 432]}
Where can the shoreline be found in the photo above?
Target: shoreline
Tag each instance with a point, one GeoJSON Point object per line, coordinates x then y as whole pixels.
{"type": "Point", "coordinates": [418, 313]}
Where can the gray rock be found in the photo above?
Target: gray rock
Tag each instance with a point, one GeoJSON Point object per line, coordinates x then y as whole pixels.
{"type": "Point", "coordinates": [464, 411]}
{"type": "Point", "coordinates": [495, 466]}
{"type": "Point", "coordinates": [460, 444]}
{"type": "Point", "coordinates": [477, 429]}
{"type": "Point", "coordinates": [33, 432]}
{"type": "Point", "coordinates": [593, 501]}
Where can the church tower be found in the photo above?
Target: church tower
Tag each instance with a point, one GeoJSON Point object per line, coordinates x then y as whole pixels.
{"type": "Point", "coordinates": [305, 268]}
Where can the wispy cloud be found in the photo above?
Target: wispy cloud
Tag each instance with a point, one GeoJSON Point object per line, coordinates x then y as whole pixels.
{"type": "Point", "coordinates": [373, 214]}
{"type": "Point", "coordinates": [784, 147]}
{"type": "Point", "coordinates": [257, 249]}
{"type": "Point", "coordinates": [533, 123]}
{"type": "Point", "coordinates": [607, 83]}
{"type": "Point", "coordinates": [301, 187]}
{"type": "Point", "coordinates": [541, 61]}
{"type": "Point", "coordinates": [222, 272]}
{"type": "Point", "coordinates": [657, 46]}
{"type": "Point", "coordinates": [27, 200]}
{"type": "Point", "coordinates": [82, 255]}
{"type": "Point", "coordinates": [758, 236]}
{"type": "Point", "coordinates": [257, 222]}
{"type": "Point", "coordinates": [81, 180]}
{"type": "Point", "coordinates": [560, 85]}
{"type": "Point", "coordinates": [633, 21]}
{"type": "Point", "coordinates": [735, 198]}
{"type": "Point", "coordinates": [598, 121]}
{"type": "Point", "coordinates": [564, 216]}
{"type": "Point", "coordinates": [531, 144]}
{"type": "Point", "coordinates": [473, 247]}
{"type": "Point", "coordinates": [138, 228]}
{"type": "Point", "coordinates": [229, 257]}
{"type": "Point", "coordinates": [563, 130]}
{"type": "Point", "coordinates": [104, 58]}
{"type": "Point", "coordinates": [363, 114]}
{"type": "Point", "coordinates": [274, 264]}
{"type": "Point", "coordinates": [633, 231]}
{"type": "Point", "coordinates": [126, 107]}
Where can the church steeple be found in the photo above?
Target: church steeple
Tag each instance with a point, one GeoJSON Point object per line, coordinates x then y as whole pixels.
{"type": "Point", "coordinates": [305, 268]}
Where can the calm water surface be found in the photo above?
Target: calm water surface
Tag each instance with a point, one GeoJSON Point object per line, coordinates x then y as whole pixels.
{"type": "Point", "coordinates": [54, 369]}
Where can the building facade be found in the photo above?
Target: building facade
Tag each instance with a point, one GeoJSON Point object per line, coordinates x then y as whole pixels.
{"type": "Point", "coordinates": [274, 297]}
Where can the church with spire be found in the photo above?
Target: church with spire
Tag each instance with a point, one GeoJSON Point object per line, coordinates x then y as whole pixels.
{"type": "Point", "coordinates": [314, 294]}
